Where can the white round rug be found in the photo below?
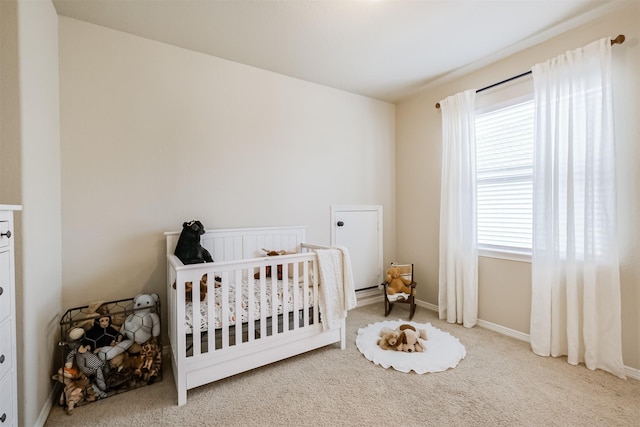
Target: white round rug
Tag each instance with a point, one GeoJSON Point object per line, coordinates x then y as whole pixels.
{"type": "Point", "coordinates": [442, 351]}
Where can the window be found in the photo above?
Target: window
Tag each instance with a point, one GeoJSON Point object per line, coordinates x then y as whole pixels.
{"type": "Point", "coordinates": [504, 162]}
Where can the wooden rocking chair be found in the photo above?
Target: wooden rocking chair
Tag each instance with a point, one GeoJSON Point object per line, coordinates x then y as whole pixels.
{"type": "Point", "coordinates": [406, 271]}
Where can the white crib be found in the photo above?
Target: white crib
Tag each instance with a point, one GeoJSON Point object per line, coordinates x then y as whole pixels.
{"type": "Point", "coordinates": [253, 321]}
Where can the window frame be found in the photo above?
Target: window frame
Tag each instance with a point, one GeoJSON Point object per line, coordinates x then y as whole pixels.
{"type": "Point", "coordinates": [500, 97]}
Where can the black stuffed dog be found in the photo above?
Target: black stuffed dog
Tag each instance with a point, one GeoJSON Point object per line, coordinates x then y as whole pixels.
{"type": "Point", "coordinates": [189, 250]}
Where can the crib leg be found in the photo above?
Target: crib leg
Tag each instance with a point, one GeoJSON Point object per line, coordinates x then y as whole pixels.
{"type": "Point", "coordinates": [343, 334]}
{"type": "Point", "coordinates": [182, 396]}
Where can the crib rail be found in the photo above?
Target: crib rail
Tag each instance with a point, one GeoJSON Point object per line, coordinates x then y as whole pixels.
{"type": "Point", "coordinates": [278, 303]}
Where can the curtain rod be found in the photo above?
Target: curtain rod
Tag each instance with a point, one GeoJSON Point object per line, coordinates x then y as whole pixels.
{"type": "Point", "coordinates": [618, 40]}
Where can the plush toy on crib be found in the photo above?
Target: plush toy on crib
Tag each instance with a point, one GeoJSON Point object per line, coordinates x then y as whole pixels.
{"type": "Point", "coordinates": [188, 288]}
{"type": "Point", "coordinates": [271, 252]}
{"type": "Point", "coordinates": [203, 288]}
{"type": "Point", "coordinates": [188, 249]}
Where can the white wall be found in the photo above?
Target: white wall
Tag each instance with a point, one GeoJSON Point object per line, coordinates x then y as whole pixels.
{"type": "Point", "coordinates": [30, 164]}
{"type": "Point", "coordinates": [154, 135]}
{"type": "Point", "coordinates": [505, 286]}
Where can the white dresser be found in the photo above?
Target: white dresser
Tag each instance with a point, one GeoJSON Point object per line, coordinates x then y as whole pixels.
{"type": "Point", "coordinates": [8, 369]}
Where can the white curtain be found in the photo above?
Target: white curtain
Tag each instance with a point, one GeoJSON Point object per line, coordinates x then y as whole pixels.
{"type": "Point", "coordinates": [458, 287]}
{"type": "Point", "coordinates": [575, 285]}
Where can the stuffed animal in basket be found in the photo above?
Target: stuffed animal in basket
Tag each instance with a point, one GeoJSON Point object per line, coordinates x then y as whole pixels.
{"type": "Point", "coordinates": [188, 249]}
{"type": "Point", "coordinates": [104, 340]}
{"type": "Point", "coordinates": [143, 323]}
{"type": "Point", "coordinates": [397, 283]}
{"type": "Point", "coordinates": [409, 339]}
{"type": "Point", "coordinates": [91, 365]}
{"type": "Point", "coordinates": [77, 388]}
{"type": "Point", "coordinates": [389, 339]}
{"type": "Point", "coordinates": [80, 355]}
{"type": "Point", "coordinates": [102, 333]}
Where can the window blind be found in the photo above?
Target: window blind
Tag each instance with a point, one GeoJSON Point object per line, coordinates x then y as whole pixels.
{"type": "Point", "coordinates": [504, 156]}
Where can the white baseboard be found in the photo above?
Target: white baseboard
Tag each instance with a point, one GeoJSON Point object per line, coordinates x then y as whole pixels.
{"type": "Point", "coordinates": [504, 331]}
{"type": "Point", "coordinates": [629, 372]}
{"type": "Point", "coordinates": [632, 372]}
{"type": "Point", "coordinates": [426, 305]}
{"type": "Point", "coordinates": [369, 296]}
{"type": "Point", "coordinates": [46, 409]}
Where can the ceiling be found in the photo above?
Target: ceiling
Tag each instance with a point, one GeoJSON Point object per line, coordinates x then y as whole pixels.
{"type": "Point", "coordinates": [383, 49]}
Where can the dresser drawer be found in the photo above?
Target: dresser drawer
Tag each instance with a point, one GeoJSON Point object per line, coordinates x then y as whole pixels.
{"type": "Point", "coordinates": [7, 403]}
{"type": "Point", "coordinates": [6, 349]}
{"type": "Point", "coordinates": [4, 235]}
{"type": "Point", "coordinates": [5, 285]}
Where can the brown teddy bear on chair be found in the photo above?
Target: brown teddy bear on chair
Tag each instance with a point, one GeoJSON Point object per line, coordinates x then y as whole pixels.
{"type": "Point", "coordinates": [397, 283]}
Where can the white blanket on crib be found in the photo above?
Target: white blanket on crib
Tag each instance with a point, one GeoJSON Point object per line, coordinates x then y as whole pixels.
{"type": "Point", "coordinates": [337, 290]}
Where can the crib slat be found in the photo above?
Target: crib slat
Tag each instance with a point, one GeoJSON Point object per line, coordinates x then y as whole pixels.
{"type": "Point", "coordinates": [238, 311]}
{"type": "Point", "coordinates": [285, 297]}
{"type": "Point", "coordinates": [296, 296]}
{"type": "Point", "coordinates": [305, 294]}
{"type": "Point", "coordinates": [274, 301]}
{"type": "Point", "coordinates": [225, 310]}
{"type": "Point", "coordinates": [211, 313]}
{"type": "Point", "coordinates": [196, 334]}
{"type": "Point", "coordinates": [263, 303]}
{"type": "Point", "coordinates": [251, 317]}
{"type": "Point", "coordinates": [316, 276]}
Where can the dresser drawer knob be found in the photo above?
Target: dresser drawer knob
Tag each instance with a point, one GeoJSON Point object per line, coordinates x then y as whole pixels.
{"type": "Point", "coordinates": [1, 290]}
{"type": "Point", "coordinates": [3, 417]}
{"type": "Point", "coordinates": [8, 234]}
{"type": "Point", "coordinates": [1, 358]}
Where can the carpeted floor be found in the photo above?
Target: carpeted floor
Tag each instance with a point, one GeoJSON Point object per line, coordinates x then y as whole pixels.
{"type": "Point", "coordinates": [500, 382]}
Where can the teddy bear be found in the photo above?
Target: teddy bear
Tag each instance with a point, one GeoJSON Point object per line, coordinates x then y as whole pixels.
{"type": "Point", "coordinates": [388, 339]}
{"type": "Point", "coordinates": [142, 324]}
{"type": "Point", "coordinates": [397, 283]}
{"type": "Point", "coordinates": [409, 340]}
{"type": "Point", "coordinates": [188, 249]}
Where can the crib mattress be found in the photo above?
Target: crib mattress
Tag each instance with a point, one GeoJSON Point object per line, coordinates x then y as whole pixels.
{"type": "Point", "coordinates": [257, 309]}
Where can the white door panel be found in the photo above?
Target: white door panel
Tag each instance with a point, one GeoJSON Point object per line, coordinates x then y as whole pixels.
{"type": "Point", "coordinates": [359, 229]}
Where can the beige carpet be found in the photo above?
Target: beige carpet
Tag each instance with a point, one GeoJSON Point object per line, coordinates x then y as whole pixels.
{"type": "Point", "coordinates": [500, 382]}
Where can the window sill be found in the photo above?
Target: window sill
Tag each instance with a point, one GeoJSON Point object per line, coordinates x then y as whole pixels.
{"type": "Point", "coordinates": [505, 254]}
